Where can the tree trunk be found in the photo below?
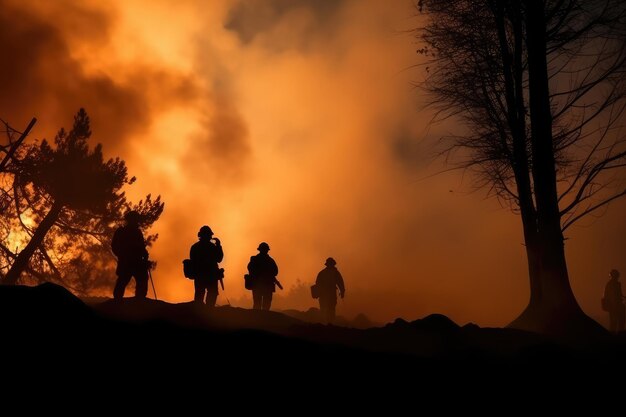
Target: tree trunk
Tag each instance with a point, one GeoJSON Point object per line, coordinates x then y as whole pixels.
{"type": "Point", "coordinates": [555, 280]}
{"type": "Point", "coordinates": [21, 262]}
{"type": "Point", "coordinates": [556, 311]}
{"type": "Point", "coordinates": [533, 258]}
{"type": "Point", "coordinates": [513, 71]}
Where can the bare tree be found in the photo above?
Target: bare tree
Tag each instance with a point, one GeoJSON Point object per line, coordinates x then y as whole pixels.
{"type": "Point", "coordinates": [540, 89]}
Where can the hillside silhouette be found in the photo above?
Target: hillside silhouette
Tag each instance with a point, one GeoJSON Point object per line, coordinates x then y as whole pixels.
{"type": "Point", "coordinates": [144, 341]}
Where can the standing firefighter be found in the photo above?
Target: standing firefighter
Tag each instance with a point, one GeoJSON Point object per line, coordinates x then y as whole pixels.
{"type": "Point", "coordinates": [328, 281]}
{"type": "Point", "coordinates": [129, 246]}
{"type": "Point", "coordinates": [205, 255]}
{"type": "Point", "coordinates": [263, 271]}
{"type": "Point", "coordinates": [613, 302]}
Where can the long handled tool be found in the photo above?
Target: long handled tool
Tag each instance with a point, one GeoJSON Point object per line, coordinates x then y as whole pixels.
{"type": "Point", "coordinates": [152, 282]}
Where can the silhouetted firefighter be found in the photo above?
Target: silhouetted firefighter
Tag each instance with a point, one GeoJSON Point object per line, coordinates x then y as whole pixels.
{"type": "Point", "coordinates": [263, 270]}
{"type": "Point", "coordinates": [613, 302]}
{"type": "Point", "coordinates": [129, 246]}
{"type": "Point", "coordinates": [205, 256]}
{"type": "Point", "coordinates": [325, 289]}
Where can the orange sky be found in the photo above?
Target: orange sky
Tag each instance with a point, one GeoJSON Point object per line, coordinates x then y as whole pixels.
{"type": "Point", "coordinates": [291, 122]}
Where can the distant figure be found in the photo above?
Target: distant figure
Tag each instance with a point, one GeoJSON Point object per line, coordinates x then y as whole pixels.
{"type": "Point", "coordinates": [205, 255]}
{"type": "Point", "coordinates": [132, 257]}
{"type": "Point", "coordinates": [613, 302]}
{"type": "Point", "coordinates": [328, 281]}
{"type": "Point", "coordinates": [263, 271]}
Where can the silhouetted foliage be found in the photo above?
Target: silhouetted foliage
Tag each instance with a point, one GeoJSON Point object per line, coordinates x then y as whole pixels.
{"type": "Point", "coordinates": [297, 296]}
{"type": "Point", "coordinates": [541, 90]}
{"type": "Point", "coordinates": [63, 201]}
{"type": "Point", "coordinates": [15, 140]}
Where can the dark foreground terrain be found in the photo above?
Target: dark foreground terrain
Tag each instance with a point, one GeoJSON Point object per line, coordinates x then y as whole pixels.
{"type": "Point", "coordinates": [156, 354]}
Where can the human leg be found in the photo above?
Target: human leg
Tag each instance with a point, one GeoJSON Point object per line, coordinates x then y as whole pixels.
{"type": "Point", "coordinates": [332, 305]}
{"type": "Point", "coordinates": [199, 288]}
{"type": "Point", "coordinates": [256, 299]}
{"type": "Point", "coordinates": [267, 300]}
{"type": "Point", "coordinates": [211, 293]}
{"type": "Point", "coordinates": [327, 308]}
{"type": "Point", "coordinates": [323, 303]}
{"type": "Point", "coordinates": [123, 278]}
{"type": "Point", "coordinates": [141, 283]}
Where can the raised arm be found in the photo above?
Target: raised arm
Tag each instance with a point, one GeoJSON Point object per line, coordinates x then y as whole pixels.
{"type": "Point", "coordinates": [219, 253]}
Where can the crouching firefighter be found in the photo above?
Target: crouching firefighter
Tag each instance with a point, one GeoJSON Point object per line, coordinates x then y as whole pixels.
{"type": "Point", "coordinates": [205, 256]}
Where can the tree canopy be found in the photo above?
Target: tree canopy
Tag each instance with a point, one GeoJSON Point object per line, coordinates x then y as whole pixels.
{"type": "Point", "coordinates": [540, 89]}
{"type": "Point", "coordinates": [61, 204]}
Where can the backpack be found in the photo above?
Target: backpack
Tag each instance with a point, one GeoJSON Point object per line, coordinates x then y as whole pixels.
{"type": "Point", "coordinates": [315, 291]}
{"type": "Point", "coordinates": [188, 269]}
{"type": "Point", "coordinates": [248, 282]}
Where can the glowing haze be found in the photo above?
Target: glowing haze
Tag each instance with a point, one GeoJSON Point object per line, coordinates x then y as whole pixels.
{"type": "Point", "coordinates": [288, 121]}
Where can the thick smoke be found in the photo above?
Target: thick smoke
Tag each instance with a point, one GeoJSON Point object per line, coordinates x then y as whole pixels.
{"type": "Point", "coordinates": [291, 122]}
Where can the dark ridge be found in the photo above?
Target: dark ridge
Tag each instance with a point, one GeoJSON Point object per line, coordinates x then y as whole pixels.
{"type": "Point", "coordinates": [183, 349]}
